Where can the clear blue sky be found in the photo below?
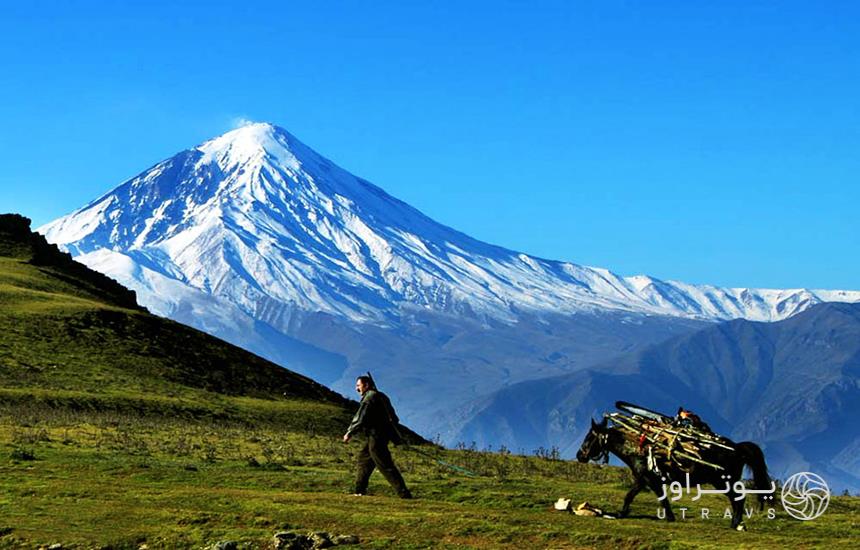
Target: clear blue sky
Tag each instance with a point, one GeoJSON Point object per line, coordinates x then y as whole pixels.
{"type": "Point", "coordinates": [709, 142]}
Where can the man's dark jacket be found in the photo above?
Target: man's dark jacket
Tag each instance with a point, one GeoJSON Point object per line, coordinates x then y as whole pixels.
{"type": "Point", "coordinates": [375, 417]}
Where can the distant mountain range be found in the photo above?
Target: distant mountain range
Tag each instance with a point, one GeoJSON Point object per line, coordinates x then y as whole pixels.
{"type": "Point", "coordinates": [792, 385]}
{"type": "Point", "coordinates": [257, 239]}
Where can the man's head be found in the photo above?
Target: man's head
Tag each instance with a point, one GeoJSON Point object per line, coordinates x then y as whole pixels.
{"type": "Point", "coordinates": [363, 384]}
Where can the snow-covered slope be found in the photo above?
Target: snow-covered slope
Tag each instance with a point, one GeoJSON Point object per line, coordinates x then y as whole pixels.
{"type": "Point", "coordinates": [260, 221]}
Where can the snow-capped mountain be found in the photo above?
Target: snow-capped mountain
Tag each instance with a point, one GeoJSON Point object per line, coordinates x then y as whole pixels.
{"type": "Point", "coordinates": [257, 239]}
{"type": "Point", "coordinates": [257, 218]}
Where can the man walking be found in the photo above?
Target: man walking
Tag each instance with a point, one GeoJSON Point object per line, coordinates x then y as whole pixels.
{"type": "Point", "coordinates": [378, 421]}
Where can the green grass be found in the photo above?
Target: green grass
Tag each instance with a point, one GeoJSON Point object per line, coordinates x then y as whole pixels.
{"type": "Point", "coordinates": [93, 479]}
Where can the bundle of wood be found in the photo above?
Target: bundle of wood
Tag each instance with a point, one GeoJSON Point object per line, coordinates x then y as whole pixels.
{"type": "Point", "coordinates": [664, 440]}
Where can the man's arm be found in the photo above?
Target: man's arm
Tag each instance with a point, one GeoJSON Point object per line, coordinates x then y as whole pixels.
{"type": "Point", "coordinates": [360, 417]}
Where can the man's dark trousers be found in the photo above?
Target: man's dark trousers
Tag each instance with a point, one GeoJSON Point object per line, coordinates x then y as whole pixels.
{"type": "Point", "coordinates": [375, 454]}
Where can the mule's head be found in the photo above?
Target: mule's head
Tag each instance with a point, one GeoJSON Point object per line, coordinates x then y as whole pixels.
{"type": "Point", "coordinates": [594, 445]}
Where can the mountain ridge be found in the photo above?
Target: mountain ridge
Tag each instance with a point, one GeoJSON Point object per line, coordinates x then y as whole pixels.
{"type": "Point", "coordinates": [264, 212]}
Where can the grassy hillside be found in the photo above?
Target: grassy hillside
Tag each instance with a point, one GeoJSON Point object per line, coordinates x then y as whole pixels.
{"type": "Point", "coordinates": [122, 430]}
{"type": "Point", "coordinates": [73, 338]}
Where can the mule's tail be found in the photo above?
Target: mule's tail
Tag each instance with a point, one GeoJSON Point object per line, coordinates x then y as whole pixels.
{"type": "Point", "coordinates": [754, 458]}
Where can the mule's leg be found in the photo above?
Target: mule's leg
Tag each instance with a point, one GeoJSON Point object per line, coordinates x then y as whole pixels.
{"type": "Point", "coordinates": [638, 485]}
{"type": "Point", "coordinates": [655, 485]}
{"type": "Point", "coordinates": [737, 510]}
